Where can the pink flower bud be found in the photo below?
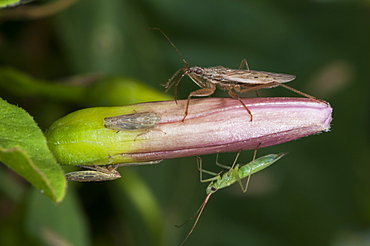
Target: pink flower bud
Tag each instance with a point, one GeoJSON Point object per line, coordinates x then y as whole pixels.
{"type": "Point", "coordinates": [223, 125]}
{"type": "Point", "coordinates": [153, 131]}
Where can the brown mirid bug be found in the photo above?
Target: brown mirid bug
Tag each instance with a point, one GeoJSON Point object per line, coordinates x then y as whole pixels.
{"type": "Point", "coordinates": [231, 80]}
{"type": "Point", "coordinates": [97, 173]}
{"type": "Point", "coordinates": [94, 174]}
{"type": "Point", "coordinates": [135, 121]}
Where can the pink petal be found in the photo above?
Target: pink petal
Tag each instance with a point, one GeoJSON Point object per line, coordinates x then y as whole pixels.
{"type": "Point", "coordinates": [223, 125]}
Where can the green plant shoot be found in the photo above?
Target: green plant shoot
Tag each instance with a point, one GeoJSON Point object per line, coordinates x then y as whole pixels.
{"type": "Point", "coordinates": [127, 124]}
{"type": "Point", "coordinates": [101, 136]}
{"type": "Point", "coordinates": [235, 174]}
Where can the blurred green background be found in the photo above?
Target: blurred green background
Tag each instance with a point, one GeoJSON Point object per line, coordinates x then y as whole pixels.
{"type": "Point", "coordinates": [319, 194]}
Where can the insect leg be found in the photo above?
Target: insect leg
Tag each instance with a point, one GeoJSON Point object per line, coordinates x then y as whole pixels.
{"type": "Point", "coordinates": [235, 96]}
{"type": "Point", "coordinates": [102, 169]}
{"type": "Point", "coordinates": [228, 167]}
{"type": "Point", "coordinates": [236, 170]}
{"type": "Point", "coordinates": [244, 63]}
{"type": "Point", "coordinates": [274, 84]}
{"type": "Point", "coordinates": [201, 171]}
{"type": "Point", "coordinates": [138, 163]}
{"type": "Point", "coordinates": [172, 82]}
{"type": "Point", "coordinates": [300, 92]}
{"type": "Point", "coordinates": [220, 164]}
{"type": "Point", "coordinates": [244, 189]}
{"type": "Point", "coordinates": [198, 93]}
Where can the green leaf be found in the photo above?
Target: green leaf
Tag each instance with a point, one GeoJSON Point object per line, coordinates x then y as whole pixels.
{"type": "Point", "coordinates": [4, 3]}
{"type": "Point", "coordinates": [12, 3]}
{"type": "Point", "coordinates": [21, 84]}
{"type": "Point", "coordinates": [23, 148]}
{"type": "Point", "coordinates": [64, 224]}
{"type": "Point", "coordinates": [118, 90]}
{"type": "Point", "coordinates": [102, 91]}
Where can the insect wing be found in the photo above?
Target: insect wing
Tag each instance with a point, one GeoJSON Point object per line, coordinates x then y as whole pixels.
{"type": "Point", "coordinates": [129, 122]}
{"type": "Point", "coordinates": [277, 77]}
{"type": "Point", "coordinates": [243, 171]}
{"type": "Point", "coordinates": [92, 176]}
{"type": "Point", "coordinates": [262, 163]}
{"type": "Point", "coordinates": [249, 78]}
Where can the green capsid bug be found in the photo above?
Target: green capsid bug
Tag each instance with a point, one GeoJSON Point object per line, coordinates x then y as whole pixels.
{"type": "Point", "coordinates": [233, 175]}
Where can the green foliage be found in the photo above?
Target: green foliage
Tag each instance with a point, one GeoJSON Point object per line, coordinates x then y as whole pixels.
{"type": "Point", "coordinates": [112, 91]}
{"type": "Point", "coordinates": [52, 225]}
{"type": "Point", "coordinates": [21, 84]}
{"type": "Point", "coordinates": [102, 91]}
{"type": "Point", "coordinates": [4, 3]}
{"type": "Point", "coordinates": [23, 148]}
{"type": "Point", "coordinates": [80, 138]}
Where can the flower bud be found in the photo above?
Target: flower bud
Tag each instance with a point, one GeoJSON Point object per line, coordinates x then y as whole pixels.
{"type": "Point", "coordinates": [148, 132]}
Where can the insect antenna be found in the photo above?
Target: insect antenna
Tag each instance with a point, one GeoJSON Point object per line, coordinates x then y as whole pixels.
{"type": "Point", "coordinates": [173, 45]}
{"type": "Point", "coordinates": [172, 80]}
{"type": "Point", "coordinates": [199, 212]}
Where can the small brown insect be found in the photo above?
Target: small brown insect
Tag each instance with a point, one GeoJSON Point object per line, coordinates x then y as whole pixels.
{"type": "Point", "coordinates": [129, 122]}
{"type": "Point", "coordinates": [240, 80]}
{"type": "Point", "coordinates": [95, 174]}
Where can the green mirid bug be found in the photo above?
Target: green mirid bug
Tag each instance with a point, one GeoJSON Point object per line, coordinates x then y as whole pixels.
{"type": "Point", "coordinates": [235, 174]}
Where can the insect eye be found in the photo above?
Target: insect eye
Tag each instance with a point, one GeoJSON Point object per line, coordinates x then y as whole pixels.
{"type": "Point", "coordinates": [198, 71]}
{"type": "Point", "coordinates": [213, 189]}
